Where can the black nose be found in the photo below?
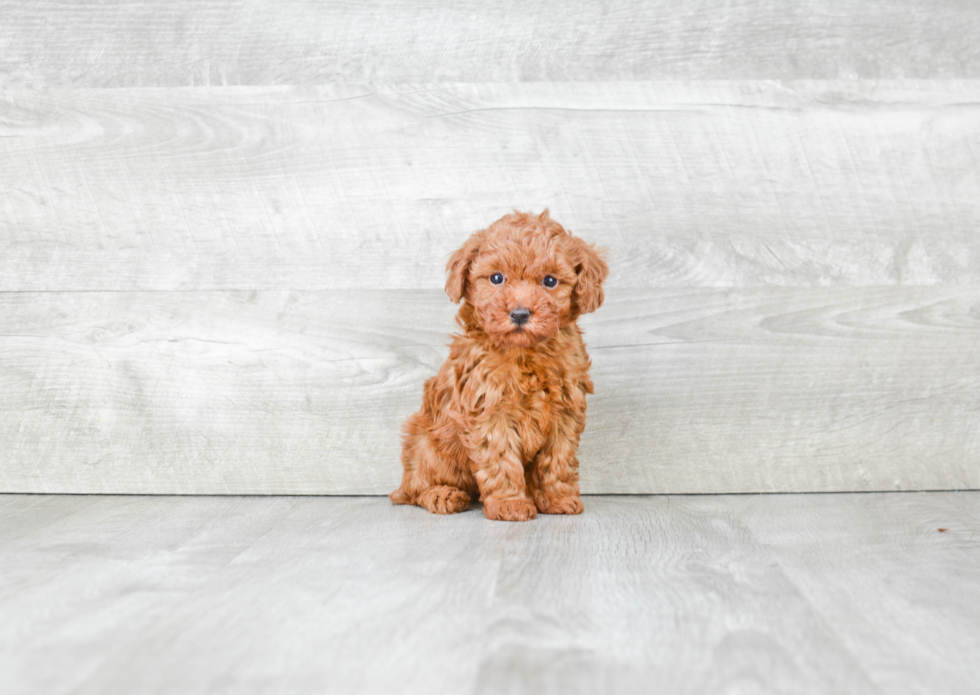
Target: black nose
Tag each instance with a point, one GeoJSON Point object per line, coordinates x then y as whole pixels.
{"type": "Point", "coordinates": [520, 315]}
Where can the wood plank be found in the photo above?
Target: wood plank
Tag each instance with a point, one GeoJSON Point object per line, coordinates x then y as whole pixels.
{"type": "Point", "coordinates": [786, 390]}
{"type": "Point", "coordinates": [775, 389]}
{"type": "Point", "coordinates": [655, 588]}
{"type": "Point", "coordinates": [243, 42]}
{"type": "Point", "coordinates": [194, 595]}
{"type": "Point", "coordinates": [732, 184]}
{"type": "Point", "coordinates": [22, 515]}
{"type": "Point", "coordinates": [189, 392]}
{"type": "Point", "coordinates": [109, 572]}
{"type": "Point", "coordinates": [900, 591]}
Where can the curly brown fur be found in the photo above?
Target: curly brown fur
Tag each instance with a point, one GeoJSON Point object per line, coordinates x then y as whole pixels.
{"type": "Point", "coordinates": [501, 421]}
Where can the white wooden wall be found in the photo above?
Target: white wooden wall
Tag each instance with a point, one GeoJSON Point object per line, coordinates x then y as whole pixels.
{"type": "Point", "coordinates": [223, 228]}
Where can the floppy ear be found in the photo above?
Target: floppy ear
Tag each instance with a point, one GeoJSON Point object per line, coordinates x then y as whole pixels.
{"type": "Point", "coordinates": [592, 271]}
{"type": "Point", "coordinates": [459, 264]}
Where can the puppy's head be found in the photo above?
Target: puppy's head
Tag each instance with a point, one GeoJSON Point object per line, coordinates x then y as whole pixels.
{"type": "Point", "coordinates": [526, 278]}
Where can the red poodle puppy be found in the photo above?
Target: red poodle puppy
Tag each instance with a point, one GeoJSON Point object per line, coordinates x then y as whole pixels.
{"type": "Point", "coordinates": [502, 419]}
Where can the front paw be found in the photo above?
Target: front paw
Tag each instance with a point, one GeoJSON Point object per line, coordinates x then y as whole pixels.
{"type": "Point", "coordinates": [509, 509]}
{"type": "Point", "coordinates": [552, 504]}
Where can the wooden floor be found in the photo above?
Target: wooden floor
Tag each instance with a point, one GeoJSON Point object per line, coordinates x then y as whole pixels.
{"type": "Point", "coordinates": [838, 593]}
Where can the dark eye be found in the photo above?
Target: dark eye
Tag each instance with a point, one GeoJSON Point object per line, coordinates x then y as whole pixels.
{"type": "Point", "coordinates": [550, 282]}
{"type": "Point", "coordinates": [496, 279]}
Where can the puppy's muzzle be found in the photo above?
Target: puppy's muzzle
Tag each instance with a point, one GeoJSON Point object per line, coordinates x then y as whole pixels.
{"type": "Point", "coordinates": [520, 316]}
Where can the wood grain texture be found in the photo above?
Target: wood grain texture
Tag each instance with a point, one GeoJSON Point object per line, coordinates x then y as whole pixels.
{"type": "Point", "coordinates": [765, 390]}
{"type": "Point", "coordinates": [223, 227]}
{"type": "Point", "coordinates": [910, 615]}
{"type": "Point", "coordinates": [734, 184]}
{"type": "Point", "coordinates": [773, 594]}
{"type": "Point", "coordinates": [128, 43]}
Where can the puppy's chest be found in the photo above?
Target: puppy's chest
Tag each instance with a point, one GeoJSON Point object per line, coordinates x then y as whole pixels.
{"type": "Point", "coordinates": [534, 397]}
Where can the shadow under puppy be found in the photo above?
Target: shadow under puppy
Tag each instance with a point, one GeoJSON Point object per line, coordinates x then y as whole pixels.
{"type": "Point", "coordinates": [502, 419]}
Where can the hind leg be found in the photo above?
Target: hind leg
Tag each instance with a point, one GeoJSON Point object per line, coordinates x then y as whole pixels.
{"type": "Point", "coordinates": [444, 499]}
{"type": "Point", "coordinates": [431, 479]}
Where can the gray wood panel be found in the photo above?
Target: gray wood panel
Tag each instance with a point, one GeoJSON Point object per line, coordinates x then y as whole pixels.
{"type": "Point", "coordinates": [775, 389]}
{"type": "Point", "coordinates": [733, 184]}
{"type": "Point", "coordinates": [242, 42]}
{"type": "Point", "coordinates": [910, 615]}
{"type": "Point", "coordinates": [772, 594]}
{"type": "Point", "coordinates": [223, 227]}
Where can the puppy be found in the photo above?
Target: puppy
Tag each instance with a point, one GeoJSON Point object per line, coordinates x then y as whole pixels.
{"type": "Point", "coordinates": [502, 419]}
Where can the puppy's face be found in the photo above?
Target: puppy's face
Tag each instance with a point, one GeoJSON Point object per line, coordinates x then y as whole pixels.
{"type": "Point", "coordinates": [520, 287]}
{"type": "Point", "coordinates": [526, 278]}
